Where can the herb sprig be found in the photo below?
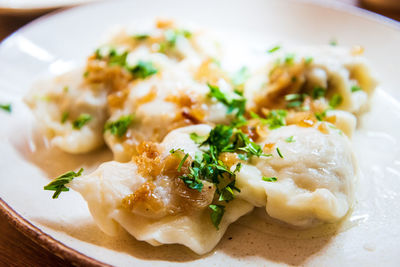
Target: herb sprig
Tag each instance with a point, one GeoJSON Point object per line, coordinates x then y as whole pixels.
{"type": "Point", "coordinates": [58, 184]}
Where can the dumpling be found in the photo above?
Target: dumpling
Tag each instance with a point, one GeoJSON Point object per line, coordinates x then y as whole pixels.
{"type": "Point", "coordinates": [160, 104]}
{"type": "Point", "coordinates": [318, 72]}
{"type": "Point", "coordinates": [315, 176]}
{"type": "Point", "coordinates": [314, 80]}
{"type": "Point", "coordinates": [149, 200]}
{"type": "Point", "coordinates": [71, 111]}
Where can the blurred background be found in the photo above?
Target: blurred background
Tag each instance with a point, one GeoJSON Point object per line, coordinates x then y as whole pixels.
{"type": "Point", "coordinates": [15, 248]}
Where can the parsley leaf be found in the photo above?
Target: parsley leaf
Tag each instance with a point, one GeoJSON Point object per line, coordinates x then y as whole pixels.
{"type": "Point", "coordinates": [233, 104]}
{"type": "Point", "coordinates": [58, 184]}
{"type": "Point", "coordinates": [274, 49]}
{"type": "Point", "coordinates": [318, 92]}
{"type": "Point", "coordinates": [143, 69]}
{"type": "Point", "coordinates": [197, 138]}
{"type": "Point", "coordinates": [6, 107]}
{"type": "Point", "coordinates": [290, 139]}
{"type": "Point", "coordinates": [81, 121]}
{"type": "Point", "coordinates": [279, 152]}
{"type": "Point", "coordinates": [289, 58]}
{"type": "Point", "coordinates": [274, 119]}
{"type": "Point", "coordinates": [141, 37]}
{"type": "Point", "coordinates": [308, 60]}
{"type": "Point", "coordinates": [120, 126]}
{"type": "Point", "coordinates": [320, 116]}
{"type": "Point", "coordinates": [355, 88]}
{"type": "Point", "coordinates": [269, 179]}
{"type": "Point", "coordinates": [335, 101]}
{"type": "Point", "coordinates": [64, 117]}
{"type": "Point", "coordinates": [217, 211]}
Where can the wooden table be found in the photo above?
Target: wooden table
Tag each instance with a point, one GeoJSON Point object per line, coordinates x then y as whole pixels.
{"type": "Point", "coordinates": [15, 248]}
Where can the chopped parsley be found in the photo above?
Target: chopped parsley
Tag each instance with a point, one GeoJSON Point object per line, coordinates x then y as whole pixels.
{"type": "Point", "coordinates": [6, 107]}
{"type": "Point", "coordinates": [335, 101]}
{"type": "Point", "coordinates": [290, 139]}
{"type": "Point", "coordinates": [274, 119]}
{"type": "Point", "coordinates": [81, 121]}
{"type": "Point", "coordinates": [274, 49]}
{"type": "Point", "coordinates": [143, 69]}
{"type": "Point", "coordinates": [207, 165]}
{"type": "Point", "coordinates": [237, 104]}
{"type": "Point", "coordinates": [294, 100]}
{"type": "Point", "coordinates": [120, 126]}
{"type": "Point", "coordinates": [141, 37]}
{"type": "Point", "coordinates": [279, 152]}
{"type": "Point", "coordinates": [171, 36]}
{"type": "Point", "coordinates": [308, 60]}
{"type": "Point", "coordinates": [117, 59]}
{"type": "Point", "coordinates": [355, 88]}
{"type": "Point", "coordinates": [217, 212]}
{"type": "Point", "coordinates": [182, 162]}
{"type": "Point", "coordinates": [333, 42]}
{"type": "Point", "coordinates": [197, 138]}
{"type": "Point", "coordinates": [269, 179]}
{"type": "Point", "coordinates": [318, 92]}
{"type": "Point", "coordinates": [66, 89]}
{"type": "Point", "coordinates": [64, 117]}
{"type": "Point", "coordinates": [320, 116]}
{"type": "Point", "coordinates": [289, 58]}
{"type": "Point", "coordinates": [58, 184]}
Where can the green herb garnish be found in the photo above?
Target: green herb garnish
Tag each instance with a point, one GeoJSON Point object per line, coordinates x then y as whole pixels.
{"type": "Point", "coordinates": [197, 138]}
{"type": "Point", "coordinates": [58, 184]}
{"type": "Point", "coordinates": [320, 116]}
{"type": "Point", "coordinates": [217, 212]}
{"type": "Point", "coordinates": [269, 179]}
{"type": "Point", "coordinates": [273, 49]}
{"type": "Point", "coordinates": [182, 162]}
{"type": "Point", "coordinates": [279, 152]}
{"type": "Point", "coordinates": [143, 69]}
{"type": "Point", "coordinates": [81, 121]}
{"type": "Point", "coordinates": [308, 60]}
{"type": "Point", "coordinates": [64, 117]}
{"type": "Point", "coordinates": [141, 37]}
{"type": "Point", "coordinates": [289, 58]}
{"type": "Point", "coordinates": [6, 107]}
{"type": "Point", "coordinates": [274, 119]}
{"type": "Point", "coordinates": [335, 101]}
{"type": "Point", "coordinates": [237, 104]}
{"type": "Point", "coordinates": [318, 92]}
{"type": "Point", "coordinates": [120, 126]}
{"type": "Point", "coordinates": [355, 88]}
{"type": "Point", "coordinates": [290, 139]}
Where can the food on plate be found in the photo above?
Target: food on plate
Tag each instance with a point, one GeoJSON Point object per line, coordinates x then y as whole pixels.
{"type": "Point", "coordinates": [196, 148]}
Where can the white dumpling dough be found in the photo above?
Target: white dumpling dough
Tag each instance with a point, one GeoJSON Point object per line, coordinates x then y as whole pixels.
{"type": "Point", "coordinates": [68, 93]}
{"type": "Point", "coordinates": [316, 177]}
{"type": "Point", "coordinates": [105, 189]}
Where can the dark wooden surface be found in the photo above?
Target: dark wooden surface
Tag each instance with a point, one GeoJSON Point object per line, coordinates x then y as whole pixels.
{"type": "Point", "coordinates": [15, 248]}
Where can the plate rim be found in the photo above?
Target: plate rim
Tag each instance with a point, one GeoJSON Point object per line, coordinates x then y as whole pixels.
{"type": "Point", "coordinates": [72, 255]}
{"type": "Point", "coordinates": [45, 240]}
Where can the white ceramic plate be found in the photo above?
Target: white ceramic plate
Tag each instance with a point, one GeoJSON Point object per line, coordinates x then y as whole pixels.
{"type": "Point", "coordinates": [24, 7]}
{"type": "Point", "coordinates": [371, 235]}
